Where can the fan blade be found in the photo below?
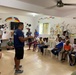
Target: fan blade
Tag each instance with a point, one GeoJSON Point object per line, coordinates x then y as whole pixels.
{"type": "Point", "coordinates": [51, 7]}
{"type": "Point", "coordinates": [57, 0]}
{"type": "Point", "coordinates": [67, 4]}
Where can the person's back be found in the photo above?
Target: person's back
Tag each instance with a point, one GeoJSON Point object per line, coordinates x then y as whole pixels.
{"type": "Point", "coordinates": [17, 42]}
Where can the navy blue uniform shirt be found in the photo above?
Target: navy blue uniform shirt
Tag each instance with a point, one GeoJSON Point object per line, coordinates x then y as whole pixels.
{"type": "Point", "coordinates": [17, 43]}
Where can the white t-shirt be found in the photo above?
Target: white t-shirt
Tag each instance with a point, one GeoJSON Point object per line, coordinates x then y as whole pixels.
{"type": "Point", "coordinates": [74, 46]}
{"type": "Point", "coordinates": [63, 37]}
{"type": "Point", "coordinates": [47, 43]}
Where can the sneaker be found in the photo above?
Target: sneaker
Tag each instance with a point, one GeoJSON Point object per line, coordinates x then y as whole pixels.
{"type": "Point", "coordinates": [18, 71]}
{"type": "Point", "coordinates": [20, 66]}
{"type": "Point", "coordinates": [72, 64]}
{"type": "Point", "coordinates": [62, 59]}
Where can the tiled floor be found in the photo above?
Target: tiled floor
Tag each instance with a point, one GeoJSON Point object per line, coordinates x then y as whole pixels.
{"type": "Point", "coordinates": [35, 64]}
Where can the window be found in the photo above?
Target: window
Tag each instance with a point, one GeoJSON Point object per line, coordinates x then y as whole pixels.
{"type": "Point", "coordinates": [43, 28]}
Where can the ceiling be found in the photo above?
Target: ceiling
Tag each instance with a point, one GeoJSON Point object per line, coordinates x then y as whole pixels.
{"type": "Point", "coordinates": [46, 3]}
{"type": "Point", "coordinates": [64, 11]}
{"type": "Point", "coordinates": [39, 6]}
{"type": "Point", "coordinates": [43, 3]}
{"type": "Point", "coordinates": [9, 11]}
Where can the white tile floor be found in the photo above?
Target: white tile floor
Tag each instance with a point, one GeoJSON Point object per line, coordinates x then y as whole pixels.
{"type": "Point", "coordinates": [34, 64]}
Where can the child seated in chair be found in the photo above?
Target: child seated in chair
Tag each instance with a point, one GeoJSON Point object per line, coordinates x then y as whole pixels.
{"type": "Point", "coordinates": [67, 49]}
{"type": "Point", "coordinates": [10, 44]}
{"type": "Point", "coordinates": [73, 52]}
{"type": "Point", "coordinates": [45, 45]}
{"type": "Point", "coordinates": [58, 47]}
{"type": "Point", "coordinates": [40, 42]}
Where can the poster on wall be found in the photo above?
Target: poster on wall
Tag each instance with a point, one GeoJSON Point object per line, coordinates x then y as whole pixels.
{"type": "Point", "coordinates": [58, 29]}
{"type": "Point", "coordinates": [5, 26]}
{"type": "Point", "coordinates": [14, 19]}
{"type": "Point", "coordinates": [51, 33]}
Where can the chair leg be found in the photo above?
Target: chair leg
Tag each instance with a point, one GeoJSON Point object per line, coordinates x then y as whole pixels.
{"type": "Point", "coordinates": [59, 56]}
{"type": "Point", "coordinates": [45, 51]}
{"type": "Point", "coordinates": [52, 55]}
{"type": "Point", "coordinates": [49, 52]}
{"type": "Point", "coordinates": [68, 58]}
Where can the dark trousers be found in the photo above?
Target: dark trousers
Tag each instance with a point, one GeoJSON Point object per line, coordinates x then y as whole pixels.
{"type": "Point", "coordinates": [42, 48]}
{"type": "Point", "coordinates": [56, 51]}
{"type": "Point", "coordinates": [70, 56]}
{"type": "Point", "coordinates": [64, 53]}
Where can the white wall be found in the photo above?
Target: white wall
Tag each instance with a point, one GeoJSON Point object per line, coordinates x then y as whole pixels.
{"type": "Point", "coordinates": [35, 21]}
{"type": "Point", "coordinates": [24, 19]}
{"type": "Point", "coordinates": [68, 23]}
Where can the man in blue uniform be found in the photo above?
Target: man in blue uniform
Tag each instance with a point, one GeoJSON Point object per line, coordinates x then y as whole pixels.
{"type": "Point", "coordinates": [19, 46]}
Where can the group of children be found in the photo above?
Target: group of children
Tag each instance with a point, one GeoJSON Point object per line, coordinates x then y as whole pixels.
{"type": "Point", "coordinates": [62, 45]}
{"type": "Point", "coordinates": [66, 48]}
{"type": "Point", "coordinates": [43, 44]}
{"type": "Point", "coordinates": [40, 43]}
{"type": "Point", "coordinates": [71, 51]}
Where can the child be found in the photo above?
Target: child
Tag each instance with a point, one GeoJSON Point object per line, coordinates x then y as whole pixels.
{"type": "Point", "coordinates": [58, 35]}
{"type": "Point", "coordinates": [67, 48]}
{"type": "Point", "coordinates": [74, 53]}
{"type": "Point", "coordinates": [40, 43]}
{"type": "Point", "coordinates": [45, 45]}
{"type": "Point", "coordinates": [67, 38]}
{"type": "Point", "coordinates": [10, 44]}
{"type": "Point", "coordinates": [29, 40]}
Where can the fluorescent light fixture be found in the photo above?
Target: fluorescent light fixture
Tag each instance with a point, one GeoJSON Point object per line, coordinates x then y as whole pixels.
{"type": "Point", "coordinates": [33, 14]}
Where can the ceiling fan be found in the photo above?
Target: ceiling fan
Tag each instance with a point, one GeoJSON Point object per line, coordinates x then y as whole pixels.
{"type": "Point", "coordinates": [59, 3]}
